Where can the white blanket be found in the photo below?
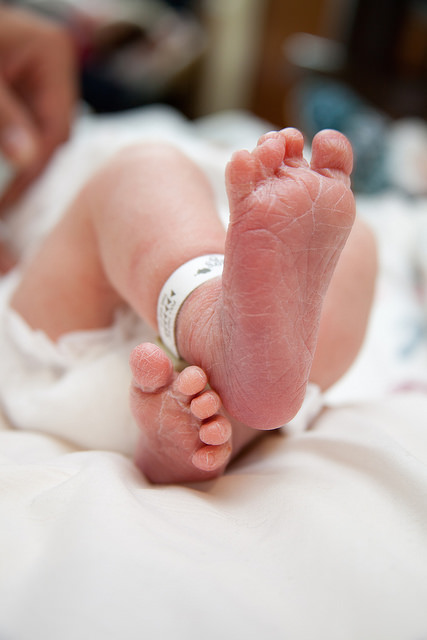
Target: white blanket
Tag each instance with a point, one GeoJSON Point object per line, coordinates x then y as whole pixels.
{"type": "Point", "coordinates": [318, 531]}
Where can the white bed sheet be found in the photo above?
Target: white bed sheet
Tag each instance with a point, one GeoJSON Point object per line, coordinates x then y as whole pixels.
{"type": "Point", "coordinates": [313, 533]}
{"type": "Point", "coordinates": [317, 535]}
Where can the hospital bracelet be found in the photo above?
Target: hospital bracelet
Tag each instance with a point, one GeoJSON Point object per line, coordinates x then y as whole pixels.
{"type": "Point", "coordinates": [188, 277]}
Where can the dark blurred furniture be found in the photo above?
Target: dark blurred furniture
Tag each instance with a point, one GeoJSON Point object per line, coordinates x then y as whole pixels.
{"type": "Point", "coordinates": [385, 44]}
{"type": "Point", "coordinates": [387, 55]}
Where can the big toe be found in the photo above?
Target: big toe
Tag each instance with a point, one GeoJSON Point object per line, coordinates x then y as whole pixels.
{"type": "Point", "coordinates": [332, 154]}
{"type": "Point", "coordinates": [151, 367]}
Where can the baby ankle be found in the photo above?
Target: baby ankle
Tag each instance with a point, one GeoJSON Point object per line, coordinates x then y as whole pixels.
{"type": "Point", "coordinates": [178, 287]}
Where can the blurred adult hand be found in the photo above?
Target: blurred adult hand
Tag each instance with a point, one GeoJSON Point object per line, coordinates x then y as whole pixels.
{"type": "Point", "coordinates": [7, 259]}
{"type": "Point", "coordinates": [37, 94]}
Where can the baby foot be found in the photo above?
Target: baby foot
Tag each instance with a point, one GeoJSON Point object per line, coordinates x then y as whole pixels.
{"type": "Point", "coordinates": [183, 437]}
{"type": "Point", "coordinates": [289, 221]}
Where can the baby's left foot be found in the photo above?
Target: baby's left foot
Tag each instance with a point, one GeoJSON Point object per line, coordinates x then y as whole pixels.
{"type": "Point", "coordinates": [183, 438]}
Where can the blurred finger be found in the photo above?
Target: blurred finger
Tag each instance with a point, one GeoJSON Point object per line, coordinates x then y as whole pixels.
{"type": "Point", "coordinates": [18, 138]}
{"type": "Point", "coordinates": [18, 186]}
{"type": "Point", "coordinates": [7, 260]}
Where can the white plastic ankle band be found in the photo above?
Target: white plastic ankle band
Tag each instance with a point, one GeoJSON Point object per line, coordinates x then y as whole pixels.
{"type": "Point", "coordinates": [178, 287]}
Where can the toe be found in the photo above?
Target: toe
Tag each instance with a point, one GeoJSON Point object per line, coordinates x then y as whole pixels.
{"type": "Point", "coordinates": [151, 367]}
{"type": "Point", "coordinates": [205, 405]}
{"type": "Point", "coordinates": [241, 174]}
{"type": "Point", "coordinates": [288, 145]}
{"type": "Point", "coordinates": [271, 135]}
{"type": "Point", "coordinates": [216, 431]}
{"type": "Point", "coordinates": [210, 458]}
{"type": "Point", "coordinates": [270, 152]}
{"type": "Point", "coordinates": [294, 141]}
{"type": "Point", "coordinates": [332, 155]}
{"type": "Point", "coordinates": [191, 381]}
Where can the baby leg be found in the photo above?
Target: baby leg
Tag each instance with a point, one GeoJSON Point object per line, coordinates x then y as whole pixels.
{"type": "Point", "coordinates": [149, 210]}
{"type": "Point", "coordinates": [346, 308]}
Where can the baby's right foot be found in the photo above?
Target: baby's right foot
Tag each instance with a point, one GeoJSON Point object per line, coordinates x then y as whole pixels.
{"type": "Point", "coordinates": [255, 332]}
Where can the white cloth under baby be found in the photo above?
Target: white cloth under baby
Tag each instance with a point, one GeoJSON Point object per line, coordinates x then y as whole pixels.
{"type": "Point", "coordinates": [77, 389]}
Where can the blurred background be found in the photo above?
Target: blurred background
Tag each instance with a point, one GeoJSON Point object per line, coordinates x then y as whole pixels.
{"type": "Point", "coordinates": [353, 65]}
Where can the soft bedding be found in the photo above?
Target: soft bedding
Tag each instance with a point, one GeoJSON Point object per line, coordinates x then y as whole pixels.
{"type": "Point", "coordinates": [317, 531]}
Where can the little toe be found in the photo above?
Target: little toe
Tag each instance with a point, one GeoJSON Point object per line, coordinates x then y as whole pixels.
{"type": "Point", "coordinates": [191, 381]}
{"type": "Point", "coordinates": [211, 458]}
{"type": "Point", "coordinates": [206, 405]}
{"type": "Point", "coordinates": [216, 431]}
{"type": "Point", "coordinates": [332, 155]}
{"type": "Point", "coordinates": [151, 367]}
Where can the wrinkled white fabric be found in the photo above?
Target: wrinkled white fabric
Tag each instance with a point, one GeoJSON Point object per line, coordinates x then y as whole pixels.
{"type": "Point", "coordinates": [319, 535]}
